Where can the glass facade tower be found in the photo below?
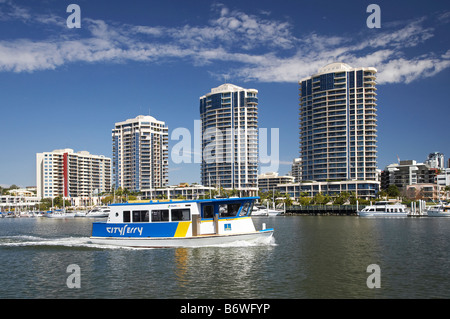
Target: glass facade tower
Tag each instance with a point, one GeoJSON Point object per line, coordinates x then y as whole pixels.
{"type": "Point", "coordinates": [338, 124]}
{"type": "Point", "coordinates": [229, 116]}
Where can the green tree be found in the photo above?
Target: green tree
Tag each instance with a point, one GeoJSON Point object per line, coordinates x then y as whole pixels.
{"type": "Point", "coordinates": [287, 200]}
{"type": "Point", "coordinates": [393, 191]}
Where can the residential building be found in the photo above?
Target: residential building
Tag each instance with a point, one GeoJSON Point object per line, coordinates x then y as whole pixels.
{"type": "Point", "coordinates": [423, 191]}
{"type": "Point", "coordinates": [443, 177]}
{"type": "Point", "coordinates": [229, 116]}
{"type": "Point", "coordinates": [65, 173]}
{"type": "Point", "coordinates": [296, 169]}
{"type": "Point", "coordinates": [21, 202]}
{"type": "Point", "coordinates": [338, 124]}
{"type": "Point", "coordinates": [363, 189]}
{"type": "Point", "coordinates": [408, 172]}
{"type": "Point", "coordinates": [269, 181]}
{"type": "Point", "coordinates": [140, 153]}
{"type": "Point", "coordinates": [435, 160]}
{"type": "Point", "coordinates": [188, 192]}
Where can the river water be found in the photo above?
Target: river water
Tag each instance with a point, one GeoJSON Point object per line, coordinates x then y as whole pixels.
{"type": "Point", "coordinates": [310, 257]}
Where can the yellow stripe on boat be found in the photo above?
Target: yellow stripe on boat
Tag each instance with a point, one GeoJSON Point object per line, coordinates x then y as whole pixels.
{"type": "Point", "coordinates": [182, 229]}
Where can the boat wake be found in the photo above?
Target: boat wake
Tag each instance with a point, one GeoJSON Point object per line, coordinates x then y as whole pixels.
{"type": "Point", "coordinates": [262, 241]}
{"type": "Point", "coordinates": [35, 241]}
{"type": "Point", "coordinates": [85, 242]}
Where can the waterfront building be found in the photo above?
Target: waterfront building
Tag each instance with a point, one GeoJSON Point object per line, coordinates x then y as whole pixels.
{"type": "Point", "coordinates": [18, 202]}
{"type": "Point", "coordinates": [229, 116]}
{"type": "Point", "coordinates": [65, 173]}
{"type": "Point", "coordinates": [188, 192]}
{"type": "Point", "coordinates": [435, 160]}
{"type": "Point", "coordinates": [443, 177]}
{"type": "Point", "coordinates": [140, 153]}
{"type": "Point", "coordinates": [338, 124]}
{"type": "Point", "coordinates": [296, 169]}
{"type": "Point", "coordinates": [426, 191]}
{"type": "Point", "coordinates": [408, 172]}
{"type": "Point", "coordinates": [362, 189]}
{"type": "Point", "coordinates": [269, 181]}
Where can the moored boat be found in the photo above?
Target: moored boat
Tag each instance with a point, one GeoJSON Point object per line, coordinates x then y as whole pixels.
{"type": "Point", "coordinates": [189, 223]}
{"type": "Point", "coordinates": [442, 210]}
{"type": "Point", "coordinates": [383, 209]}
{"type": "Point", "coordinates": [99, 212]}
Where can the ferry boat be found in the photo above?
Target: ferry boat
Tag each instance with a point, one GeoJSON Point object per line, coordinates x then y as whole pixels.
{"type": "Point", "coordinates": [442, 210]}
{"type": "Point", "coordinates": [187, 223]}
{"type": "Point", "coordinates": [383, 209]}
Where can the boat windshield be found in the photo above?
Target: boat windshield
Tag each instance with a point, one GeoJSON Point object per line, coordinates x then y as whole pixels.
{"type": "Point", "coordinates": [226, 209]}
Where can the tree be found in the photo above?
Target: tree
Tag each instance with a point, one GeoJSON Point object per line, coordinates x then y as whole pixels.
{"type": "Point", "coordinates": [320, 199]}
{"type": "Point", "coordinates": [393, 191]}
{"type": "Point", "coordinates": [341, 199]}
{"type": "Point", "coordinates": [287, 200]}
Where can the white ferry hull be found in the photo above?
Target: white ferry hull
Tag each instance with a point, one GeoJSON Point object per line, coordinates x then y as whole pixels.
{"type": "Point", "coordinates": [172, 242]}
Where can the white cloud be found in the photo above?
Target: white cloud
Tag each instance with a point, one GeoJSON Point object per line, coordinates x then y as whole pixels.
{"type": "Point", "coordinates": [254, 47]}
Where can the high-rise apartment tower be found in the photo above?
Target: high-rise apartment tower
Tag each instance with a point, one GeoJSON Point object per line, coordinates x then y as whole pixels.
{"type": "Point", "coordinates": [229, 115]}
{"type": "Point", "coordinates": [140, 153]}
{"type": "Point", "coordinates": [338, 124]}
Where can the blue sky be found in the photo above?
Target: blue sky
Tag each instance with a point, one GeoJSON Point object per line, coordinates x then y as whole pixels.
{"type": "Point", "coordinates": [65, 88]}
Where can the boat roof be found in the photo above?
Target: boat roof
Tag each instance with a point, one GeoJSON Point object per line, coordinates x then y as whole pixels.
{"type": "Point", "coordinates": [170, 201]}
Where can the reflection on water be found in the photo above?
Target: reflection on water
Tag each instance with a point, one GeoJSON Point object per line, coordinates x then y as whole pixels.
{"type": "Point", "coordinates": [311, 257]}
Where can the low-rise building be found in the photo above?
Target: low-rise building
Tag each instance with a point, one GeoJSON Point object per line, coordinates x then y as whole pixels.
{"type": "Point", "coordinates": [362, 189]}
{"type": "Point", "coordinates": [407, 172]}
{"type": "Point", "coordinates": [269, 181]}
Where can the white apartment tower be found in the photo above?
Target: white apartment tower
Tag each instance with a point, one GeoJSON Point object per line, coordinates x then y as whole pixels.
{"type": "Point", "coordinates": [65, 173]}
{"type": "Point", "coordinates": [338, 124]}
{"type": "Point", "coordinates": [140, 153]}
{"type": "Point", "coordinates": [229, 115]}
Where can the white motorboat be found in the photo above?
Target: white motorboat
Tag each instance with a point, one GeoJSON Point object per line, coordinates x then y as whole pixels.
{"type": "Point", "coordinates": [99, 212]}
{"type": "Point", "coordinates": [80, 214]}
{"type": "Point", "coordinates": [442, 210]}
{"type": "Point", "coordinates": [383, 209]}
{"type": "Point", "coordinates": [60, 214]}
{"type": "Point", "coordinates": [259, 211]}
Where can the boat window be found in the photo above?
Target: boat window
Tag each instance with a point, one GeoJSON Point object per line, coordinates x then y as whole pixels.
{"type": "Point", "coordinates": [244, 209]}
{"type": "Point", "coordinates": [208, 211]}
{"type": "Point", "coordinates": [160, 215]}
{"type": "Point", "coordinates": [181, 214]}
{"type": "Point", "coordinates": [126, 216]}
{"type": "Point", "coordinates": [140, 216]}
{"type": "Point", "coordinates": [228, 210]}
